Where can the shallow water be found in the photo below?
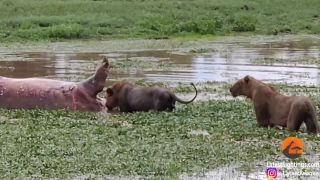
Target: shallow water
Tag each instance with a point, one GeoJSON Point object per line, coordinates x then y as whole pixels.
{"type": "Point", "coordinates": [226, 62]}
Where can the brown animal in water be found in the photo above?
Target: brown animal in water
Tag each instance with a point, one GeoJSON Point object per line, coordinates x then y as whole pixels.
{"type": "Point", "coordinates": [273, 108]}
{"type": "Point", "coordinates": [30, 93]}
{"type": "Point", "coordinates": [130, 98]}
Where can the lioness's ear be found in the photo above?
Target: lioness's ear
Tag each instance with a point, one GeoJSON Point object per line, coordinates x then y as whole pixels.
{"type": "Point", "coordinates": [246, 79]}
{"type": "Point", "coordinates": [109, 92]}
{"type": "Point", "coordinates": [272, 87]}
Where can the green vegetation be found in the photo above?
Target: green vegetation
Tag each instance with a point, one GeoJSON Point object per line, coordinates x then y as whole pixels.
{"type": "Point", "coordinates": [35, 20]}
{"type": "Point", "coordinates": [194, 138]}
{"type": "Point", "coordinates": [293, 60]}
{"type": "Point", "coordinates": [68, 144]}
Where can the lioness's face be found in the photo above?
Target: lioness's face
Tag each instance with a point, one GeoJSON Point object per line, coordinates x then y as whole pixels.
{"type": "Point", "coordinates": [241, 87]}
{"type": "Point", "coordinates": [111, 99]}
{"type": "Point", "coordinates": [113, 95]}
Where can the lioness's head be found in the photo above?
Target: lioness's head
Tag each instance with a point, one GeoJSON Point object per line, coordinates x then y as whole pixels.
{"type": "Point", "coordinates": [242, 87]}
{"type": "Point", "coordinates": [113, 94]}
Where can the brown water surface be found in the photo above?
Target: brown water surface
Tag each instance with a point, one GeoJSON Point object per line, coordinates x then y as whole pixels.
{"type": "Point", "coordinates": [290, 61]}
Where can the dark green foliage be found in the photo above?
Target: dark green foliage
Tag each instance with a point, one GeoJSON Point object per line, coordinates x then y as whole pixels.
{"type": "Point", "coordinates": [73, 19]}
{"type": "Point", "coordinates": [64, 144]}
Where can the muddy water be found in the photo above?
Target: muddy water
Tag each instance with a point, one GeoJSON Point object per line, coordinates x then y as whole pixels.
{"type": "Point", "coordinates": [224, 63]}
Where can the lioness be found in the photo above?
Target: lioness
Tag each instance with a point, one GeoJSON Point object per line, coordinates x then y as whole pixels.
{"type": "Point", "coordinates": [273, 108]}
{"type": "Point", "coordinates": [130, 98]}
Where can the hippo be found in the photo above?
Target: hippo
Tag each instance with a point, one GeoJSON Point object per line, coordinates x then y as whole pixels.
{"type": "Point", "coordinates": [42, 93]}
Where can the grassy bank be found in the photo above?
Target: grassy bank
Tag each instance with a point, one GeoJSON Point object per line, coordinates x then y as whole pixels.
{"type": "Point", "coordinates": [194, 138]}
{"type": "Point", "coordinates": [34, 20]}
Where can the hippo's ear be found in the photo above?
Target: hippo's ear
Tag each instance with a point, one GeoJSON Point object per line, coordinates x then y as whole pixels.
{"type": "Point", "coordinates": [247, 79]}
{"type": "Point", "coordinates": [109, 92]}
{"type": "Point", "coordinates": [105, 62]}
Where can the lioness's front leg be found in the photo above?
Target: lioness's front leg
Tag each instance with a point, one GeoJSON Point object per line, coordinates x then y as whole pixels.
{"type": "Point", "coordinates": [262, 115]}
{"type": "Point", "coordinates": [295, 117]}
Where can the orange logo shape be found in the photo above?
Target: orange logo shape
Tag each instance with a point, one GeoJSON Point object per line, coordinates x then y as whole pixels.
{"type": "Point", "coordinates": [292, 147]}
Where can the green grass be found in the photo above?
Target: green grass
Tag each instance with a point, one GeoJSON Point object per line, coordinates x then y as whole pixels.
{"type": "Point", "coordinates": [34, 20]}
{"type": "Point", "coordinates": [64, 144]}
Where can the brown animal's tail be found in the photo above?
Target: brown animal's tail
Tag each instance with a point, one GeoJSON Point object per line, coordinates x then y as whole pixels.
{"type": "Point", "coordinates": [187, 102]}
{"type": "Point", "coordinates": [311, 121]}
